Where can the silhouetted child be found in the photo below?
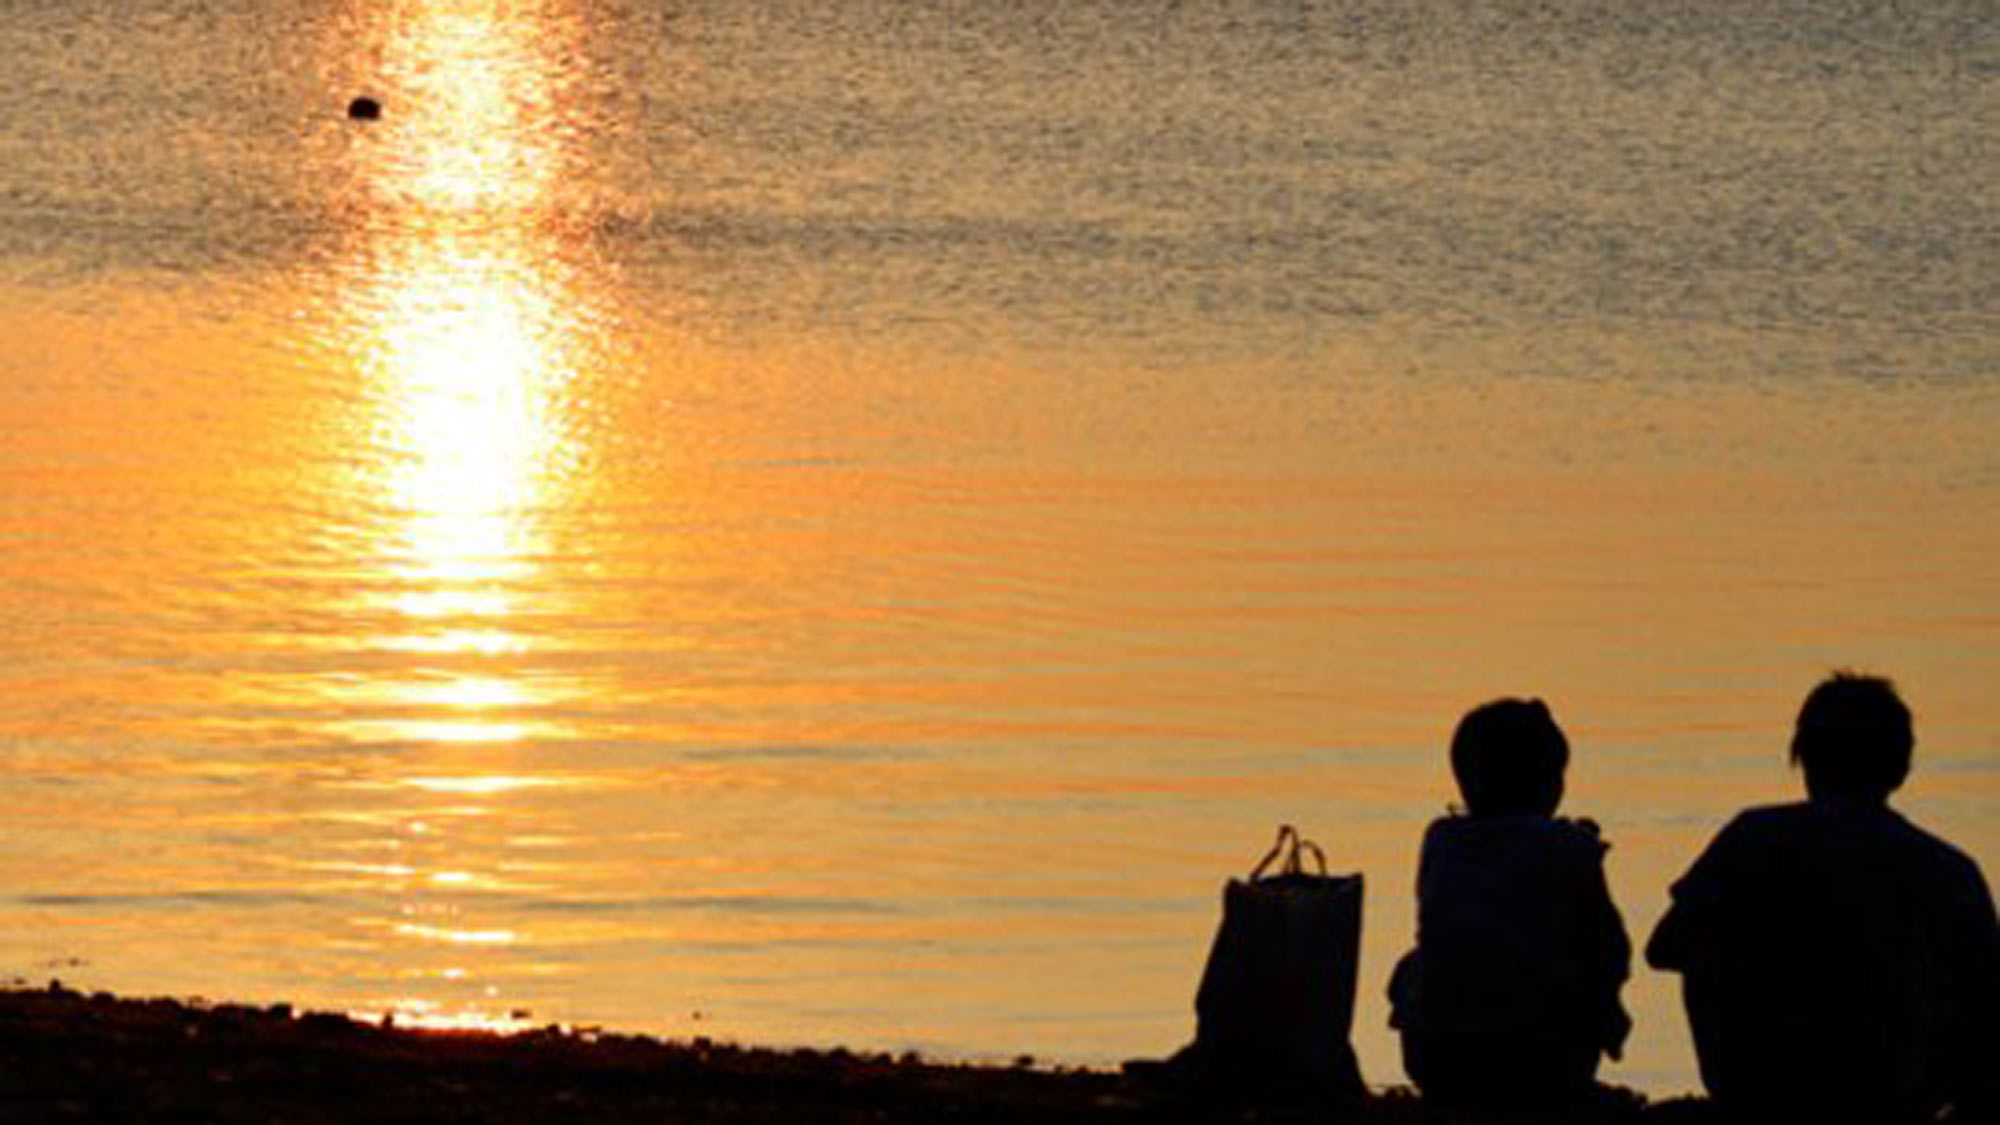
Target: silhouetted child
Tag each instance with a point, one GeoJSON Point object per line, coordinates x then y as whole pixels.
{"type": "Point", "coordinates": [1838, 962]}
{"type": "Point", "coordinates": [1511, 993]}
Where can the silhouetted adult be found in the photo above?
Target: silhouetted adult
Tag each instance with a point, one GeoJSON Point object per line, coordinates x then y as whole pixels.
{"type": "Point", "coordinates": [1838, 962]}
{"type": "Point", "coordinates": [1511, 993]}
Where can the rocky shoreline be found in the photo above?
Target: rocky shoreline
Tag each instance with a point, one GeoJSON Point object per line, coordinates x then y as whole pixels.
{"type": "Point", "coordinates": [69, 1056]}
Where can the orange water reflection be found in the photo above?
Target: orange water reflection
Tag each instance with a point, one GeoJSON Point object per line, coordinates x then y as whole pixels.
{"type": "Point", "coordinates": [470, 324]}
{"type": "Point", "coordinates": [469, 327]}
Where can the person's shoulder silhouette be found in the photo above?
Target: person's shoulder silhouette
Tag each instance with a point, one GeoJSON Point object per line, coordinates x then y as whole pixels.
{"type": "Point", "coordinates": [1838, 961]}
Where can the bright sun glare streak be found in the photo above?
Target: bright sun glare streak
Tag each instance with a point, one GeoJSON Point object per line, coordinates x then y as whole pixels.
{"type": "Point", "coordinates": [470, 328]}
{"type": "Point", "coordinates": [431, 1016]}
{"type": "Point", "coordinates": [472, 431]}
{"type": "Point", "coordinates": [452, 936]}
{"type": "Point", "coordinates": [478, 78]}
{"type": "Point", "coordinates": [466, 336]}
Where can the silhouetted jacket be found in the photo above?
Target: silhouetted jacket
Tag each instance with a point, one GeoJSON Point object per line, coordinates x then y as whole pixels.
{"type": "Point", "coordinates": [1516, 935]}
{"type": "Point", "coordinates": [1838, 961]}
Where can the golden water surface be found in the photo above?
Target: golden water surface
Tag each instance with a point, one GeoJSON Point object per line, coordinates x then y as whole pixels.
{"type": "Point", "coordinates": [521, 559]}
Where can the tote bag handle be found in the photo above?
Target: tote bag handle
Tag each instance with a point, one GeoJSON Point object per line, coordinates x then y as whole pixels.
{"type": "Point", "coordinates": [1292, 847]}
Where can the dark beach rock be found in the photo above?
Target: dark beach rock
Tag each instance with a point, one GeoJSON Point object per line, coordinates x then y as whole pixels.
{"type": "Point", "coordinates": [364, 109]}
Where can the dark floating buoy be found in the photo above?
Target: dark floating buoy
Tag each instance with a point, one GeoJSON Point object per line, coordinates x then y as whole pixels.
{"type": "Point", "coordinates": [364, 109]}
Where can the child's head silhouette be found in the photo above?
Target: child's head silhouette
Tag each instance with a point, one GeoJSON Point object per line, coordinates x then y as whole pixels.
{"type": "Point", "coordinates": [1853, 738]}
{"type": "Point", "coordinates": [1509, 756]}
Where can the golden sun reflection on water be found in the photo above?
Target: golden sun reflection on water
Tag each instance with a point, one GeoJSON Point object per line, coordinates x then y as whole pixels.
{"type": "Point", "coordinates": [467, 327]}
{"type": "Point", "coordinates": [471, 381]}
{"type": "Point", "coordinates": [466, 330]}
{"type": "Point", "coordinates": [431, 1016]}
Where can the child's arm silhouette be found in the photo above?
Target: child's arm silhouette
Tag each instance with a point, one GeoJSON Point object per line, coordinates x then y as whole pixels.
{"type": "Point", "coordinates": [1608, 953]}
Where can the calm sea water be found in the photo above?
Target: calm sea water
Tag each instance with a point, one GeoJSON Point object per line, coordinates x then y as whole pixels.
{"type": "Point", "coordinates": [845, 522]}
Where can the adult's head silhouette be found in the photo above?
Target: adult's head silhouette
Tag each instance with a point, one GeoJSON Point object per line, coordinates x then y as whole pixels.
{"type": "Point", "coordinates": [1853, 738]}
